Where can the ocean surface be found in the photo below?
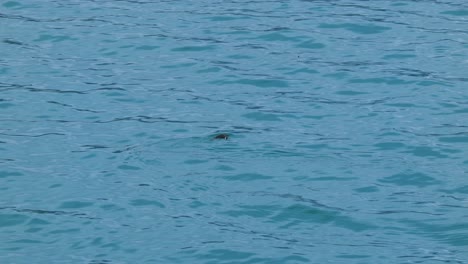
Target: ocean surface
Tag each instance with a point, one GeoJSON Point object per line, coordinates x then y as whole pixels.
{"type": "Point", "coordinates": [348, 124]}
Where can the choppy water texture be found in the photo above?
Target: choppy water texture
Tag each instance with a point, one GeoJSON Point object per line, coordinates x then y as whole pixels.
{"type": "Point", "coordinates": [347, 122]}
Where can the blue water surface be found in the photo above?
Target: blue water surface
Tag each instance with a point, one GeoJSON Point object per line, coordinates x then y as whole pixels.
{"type": "Point", "coordinates": [347, 122]}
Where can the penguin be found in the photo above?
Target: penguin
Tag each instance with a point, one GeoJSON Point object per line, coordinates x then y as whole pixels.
{"type": "Point", "coordinates": [222, 136]}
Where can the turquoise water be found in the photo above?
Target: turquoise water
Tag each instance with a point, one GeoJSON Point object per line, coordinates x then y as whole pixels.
{"type": "Point", "coordinates": [347, 121]}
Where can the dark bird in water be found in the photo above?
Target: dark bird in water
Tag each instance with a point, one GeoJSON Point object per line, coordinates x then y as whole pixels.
{"type": "Point", "coordinates": [222, 136]}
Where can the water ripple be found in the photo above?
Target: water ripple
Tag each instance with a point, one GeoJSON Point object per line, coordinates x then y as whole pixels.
{"type": "Point", "coordinates": [347, 140]}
